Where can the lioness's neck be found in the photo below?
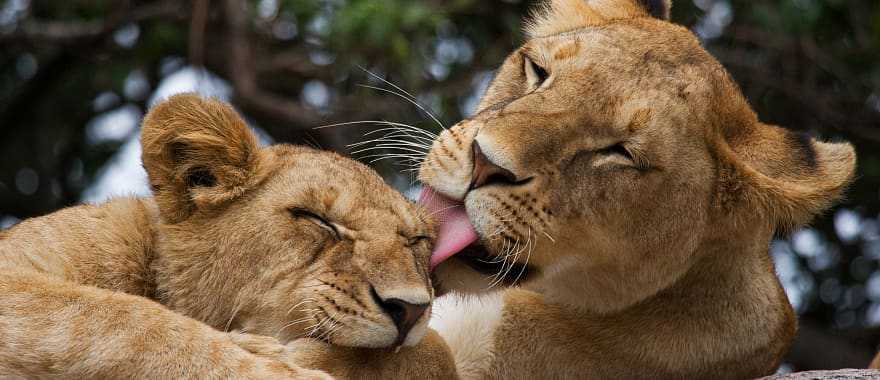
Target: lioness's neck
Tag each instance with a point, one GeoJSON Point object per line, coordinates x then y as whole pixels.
{"type": "Point", "coordinates": [730, 294]}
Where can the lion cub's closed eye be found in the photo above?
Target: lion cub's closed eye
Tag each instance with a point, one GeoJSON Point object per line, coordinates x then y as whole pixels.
{"type": "Point", "coordinates": [280, 241]}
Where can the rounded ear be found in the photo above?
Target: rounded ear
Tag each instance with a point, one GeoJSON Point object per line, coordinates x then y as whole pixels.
{"type": "Point", "coordinates": [790, 176]}
{"type": "Point", "coordinates": [198, 154]}
{"type": "Point", "coordinates": [560, 16]}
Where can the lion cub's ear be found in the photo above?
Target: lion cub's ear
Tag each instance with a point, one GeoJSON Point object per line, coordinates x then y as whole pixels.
{"type": "Point", "coordinates": [790, 176]}
{"type": "Point", "coordinates": [198, 154]}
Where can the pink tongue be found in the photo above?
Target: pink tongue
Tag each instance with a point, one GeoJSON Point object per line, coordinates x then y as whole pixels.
{"type": "Point", "coordinates": [455, 231]}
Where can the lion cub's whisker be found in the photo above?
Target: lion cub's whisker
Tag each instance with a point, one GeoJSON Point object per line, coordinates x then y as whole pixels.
{"type": "Point", "coordinates": [234, 312]}
{"type": "Point", "coordinates": [308, 300]}
{"type": "Point", "coordinates": [298, 321]}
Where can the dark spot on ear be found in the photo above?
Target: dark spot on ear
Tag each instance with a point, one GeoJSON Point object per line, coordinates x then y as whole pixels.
{"type": "Point", "coordinates": [657, 8]}
{"type": "Point", "coordinates": [802, 145]}
{"type": "Point", "coordinates": [200, 177]}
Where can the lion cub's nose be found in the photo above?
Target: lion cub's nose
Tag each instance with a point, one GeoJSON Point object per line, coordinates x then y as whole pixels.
{"type": "Point", "coordinates": [404, 314]}
{"type": "Point", "coordinates": [487, 172]}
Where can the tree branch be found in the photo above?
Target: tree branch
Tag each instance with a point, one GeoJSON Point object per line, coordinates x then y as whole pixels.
{"type": "Point", "coordinates": [244, 77]}
{"type": "Point", "coordinates": [197, 25]}
{"type": "Point", "coordinates": [33, 31]}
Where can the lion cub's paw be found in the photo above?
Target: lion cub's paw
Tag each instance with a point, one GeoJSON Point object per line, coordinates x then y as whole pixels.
{"type": "Point", "coordinates": [257, 344]}
{"type": "Point", "coordinates": [270, 348]}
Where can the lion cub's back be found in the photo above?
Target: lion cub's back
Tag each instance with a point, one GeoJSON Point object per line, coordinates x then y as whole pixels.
{"type": "Point", "coordinates": [107, 245]}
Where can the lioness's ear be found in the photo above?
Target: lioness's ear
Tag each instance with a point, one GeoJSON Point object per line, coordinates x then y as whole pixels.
{"type": "Point", "coordinates": [198, 153]}
{"type": "Point", "coordinates": [560, 16]}
{"type": "Point", "coordinates": [790, 176]}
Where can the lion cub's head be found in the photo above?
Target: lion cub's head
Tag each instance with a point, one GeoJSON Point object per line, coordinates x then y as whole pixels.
{"type": "Point", "coordinates": [610, 153]}
{"type": "Point", "coordinates": [283, 241]}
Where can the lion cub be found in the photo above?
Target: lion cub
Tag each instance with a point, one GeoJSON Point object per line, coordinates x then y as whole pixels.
{"type": "Point", "coordinates": [279, 241]}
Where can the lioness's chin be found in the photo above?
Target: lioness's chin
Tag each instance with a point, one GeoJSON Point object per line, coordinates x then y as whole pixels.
{"type": "Point", "coordinates": [478, 269]}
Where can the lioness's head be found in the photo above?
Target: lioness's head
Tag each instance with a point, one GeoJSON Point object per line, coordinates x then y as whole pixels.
{"type": "Point", "coordinates": [608, 154]}
{"type": "Point", "coordinates": [282, 241]}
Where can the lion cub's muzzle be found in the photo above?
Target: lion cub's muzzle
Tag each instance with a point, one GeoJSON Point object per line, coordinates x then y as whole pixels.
{"type": "Point", "coordinates": [404, 314]}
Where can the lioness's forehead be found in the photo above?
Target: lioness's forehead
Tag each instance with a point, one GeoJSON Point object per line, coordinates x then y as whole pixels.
{"type": "Point", "coordinates": [621, 40]}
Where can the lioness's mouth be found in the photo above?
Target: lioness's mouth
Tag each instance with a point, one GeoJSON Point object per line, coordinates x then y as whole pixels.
{"type": "Point", "coordinates": [457, 238]}
{"type": "Point", "coordinates": [509, 272]}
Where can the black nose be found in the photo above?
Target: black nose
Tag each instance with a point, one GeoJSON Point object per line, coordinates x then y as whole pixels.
{"type": "Point", "coordinates": [404, 314]}
{"type": "Point", "coordinates": [487, 172]}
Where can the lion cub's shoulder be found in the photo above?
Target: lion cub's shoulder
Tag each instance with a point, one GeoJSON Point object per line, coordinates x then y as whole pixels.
{"type": "Point", "coordinates": [106, 245]}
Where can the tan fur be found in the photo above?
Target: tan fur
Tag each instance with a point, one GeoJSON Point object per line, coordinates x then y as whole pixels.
{"type": "Point", "coordinates": [147, 288]}
{"type": "Point", "coordinates": [655, 267]}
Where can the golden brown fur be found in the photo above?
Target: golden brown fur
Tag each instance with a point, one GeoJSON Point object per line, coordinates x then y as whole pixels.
{"type": "Point", "coordinates": [232, 240]}
{"type": "Point", "coordinates": [646, 192]}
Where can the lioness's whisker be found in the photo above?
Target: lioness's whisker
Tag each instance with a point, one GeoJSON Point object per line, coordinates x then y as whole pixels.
{"type": "Point", "coordinates": [410, 162]}
{"type": "Point", "coordinates": [548, 236]}
{"type": "Point", "coordinates": [522, 269]}
{"type": "Point", "coordinates": [391, 139]}
{"type": "Point", "coordinates": [404, 156]}
{"type": "Point", "coordinates": [512, 256]}
{"type": "Point", "coordinates": [504, 249]}
{"type": "Point", "coordinates": [400, 160]}
{"type": "Point", "coordinates": [403, 139]}
{"type": "Point", "coordinates": [409, 97]}
{"type": "Point", "coordinates": [379, 122]}
{"type": "Point", "coordinates": [383, 80]}
{"type": "Point", "coordinates": [395, 136]}
{"type": "Point", "coordinates": [398, 140]}
{"type": "Point", "coordinates": [398, 144]}
{"type": "Point", "coordinates": [404, 149]}
{"type": "Point", "coordinates": [414, 102]}
{"type": "Point", "coordinates": [402, 127]}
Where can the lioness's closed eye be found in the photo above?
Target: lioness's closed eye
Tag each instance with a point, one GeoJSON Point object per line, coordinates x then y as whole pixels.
{"type": "Point", "coordinates": [280, 241]}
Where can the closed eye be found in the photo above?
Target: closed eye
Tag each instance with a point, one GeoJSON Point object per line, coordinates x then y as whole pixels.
{"type": "Point", "coordinates": [535, 74]}
{"type": "Point", "coordinates": [616, 149]}
{"type": "Point", "coordinates": [301, 213]}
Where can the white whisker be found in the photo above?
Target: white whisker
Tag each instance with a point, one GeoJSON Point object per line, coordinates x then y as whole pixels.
{"type": "Point", "coordinates": [234, 312]}
{"type": "Point", "coordinates": [412, 101]}
{"type": "Point", "coordinates": [409, 97]}
{"type": "Point", "coordinates": [528, 256]}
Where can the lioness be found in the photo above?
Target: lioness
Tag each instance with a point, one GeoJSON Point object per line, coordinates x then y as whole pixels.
{"type": "Point", "coordinates": [617, 174]}
{"type": "Point", "coordinates": [280, 241]}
